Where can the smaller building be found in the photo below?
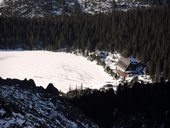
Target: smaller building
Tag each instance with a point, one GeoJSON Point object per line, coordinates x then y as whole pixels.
{"type": "Point", "coordinates": [129, 66]}
{"type": "Point", "coordinates": [101, 54]}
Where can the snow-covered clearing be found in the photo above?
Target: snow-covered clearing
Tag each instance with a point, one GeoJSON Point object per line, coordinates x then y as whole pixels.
{"type": "Point", "coordinates": [64, 70]}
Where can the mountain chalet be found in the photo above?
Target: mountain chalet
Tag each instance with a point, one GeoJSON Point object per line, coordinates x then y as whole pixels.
{"type": "Point", "coordinates": [129, 66]}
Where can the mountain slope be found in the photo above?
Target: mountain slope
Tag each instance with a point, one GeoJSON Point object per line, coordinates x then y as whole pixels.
{"type": "Point", "coordinates": [32, 8]}
{"type": "Point", "coordinates": [40, 8]}
{"type": "Point", "coordinates": [22, 104]}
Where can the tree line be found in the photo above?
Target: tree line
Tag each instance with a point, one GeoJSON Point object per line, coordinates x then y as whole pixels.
{"type": "Point", "coordinates": [143, 33]}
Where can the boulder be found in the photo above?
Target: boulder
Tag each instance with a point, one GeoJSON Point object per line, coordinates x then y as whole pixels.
{"type": "Point", "coordinates": [28, 83]}
{"type": "Point", "coordinates": [52, 90]}
{"type": "Point", "coordinates": [31, 83]}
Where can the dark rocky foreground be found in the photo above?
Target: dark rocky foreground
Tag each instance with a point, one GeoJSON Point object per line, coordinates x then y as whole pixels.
{"type": "Point", "coordinates": [137, 106]}
{"type": "Point", "coordinates": [22, 104]}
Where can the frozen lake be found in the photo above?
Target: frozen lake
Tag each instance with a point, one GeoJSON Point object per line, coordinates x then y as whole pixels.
{"type": "Point", "coordinates": [64, 70]}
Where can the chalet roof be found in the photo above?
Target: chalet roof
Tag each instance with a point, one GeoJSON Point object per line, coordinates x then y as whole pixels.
{"type": "Point", "coordinates": [123, 63]}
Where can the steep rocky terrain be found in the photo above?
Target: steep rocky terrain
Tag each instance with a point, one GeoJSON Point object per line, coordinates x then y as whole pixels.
{"type": "Point", "coordinates": [22, 104]}
{"type": "Point", "coordinates": [30, 8]}
{"type": "Point", "coordinates": [40, 8]}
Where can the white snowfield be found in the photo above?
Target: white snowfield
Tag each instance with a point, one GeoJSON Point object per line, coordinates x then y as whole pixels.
{"type": "Point", "coordinates": [64, 70]}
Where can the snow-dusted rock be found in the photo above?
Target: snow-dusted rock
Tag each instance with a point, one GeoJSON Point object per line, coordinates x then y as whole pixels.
{"type": "Point", "coordinates": [31, 107]}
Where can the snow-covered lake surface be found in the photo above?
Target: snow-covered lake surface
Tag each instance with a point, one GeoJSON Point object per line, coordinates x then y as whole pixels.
{"type": "Point", "coordinates": [64, 70]}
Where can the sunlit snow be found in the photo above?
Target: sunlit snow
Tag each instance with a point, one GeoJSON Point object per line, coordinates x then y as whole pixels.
{"type": "Point", "coordinates": [64, 70]}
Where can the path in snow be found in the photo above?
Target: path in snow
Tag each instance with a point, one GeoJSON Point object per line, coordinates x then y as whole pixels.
{"type": "Point", "coordinates": [64, 70]}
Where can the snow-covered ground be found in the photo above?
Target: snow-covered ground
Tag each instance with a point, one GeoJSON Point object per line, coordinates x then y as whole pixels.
{"type": "Point", "coordinates": [64, 70]}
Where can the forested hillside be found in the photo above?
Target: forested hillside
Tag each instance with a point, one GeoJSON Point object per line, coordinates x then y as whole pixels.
{"type": "Point", "coordinates": [144, 33]}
